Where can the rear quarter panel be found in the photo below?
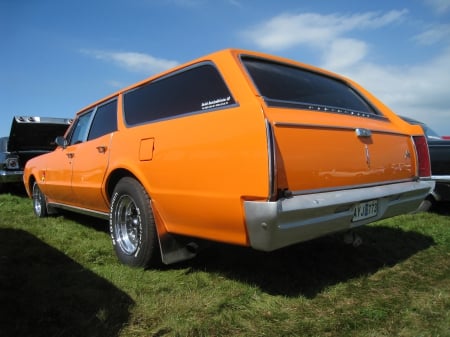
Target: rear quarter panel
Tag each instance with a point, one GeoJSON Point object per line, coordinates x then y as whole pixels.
{"type": "Point", "coordinates": [201, 166]}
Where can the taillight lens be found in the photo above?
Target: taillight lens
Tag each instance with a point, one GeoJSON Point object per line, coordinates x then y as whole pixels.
{"type": "Point", "coordinates": [423, 156]}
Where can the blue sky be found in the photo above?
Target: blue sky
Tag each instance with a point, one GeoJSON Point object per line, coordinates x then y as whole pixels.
{"type": "Point", "coordinates": [59, 56]}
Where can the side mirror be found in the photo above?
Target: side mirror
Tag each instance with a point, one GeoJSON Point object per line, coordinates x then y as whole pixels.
{"type": "Point", "coordinates": [61, 141]}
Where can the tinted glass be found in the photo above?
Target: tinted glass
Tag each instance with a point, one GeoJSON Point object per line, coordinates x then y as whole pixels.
{"type": "Point", "coordinates": [105, 120]}
{"type": "Point", "coordinates": [79, 131]}
{"type": "Point", "coordinates": [195, 89]}
{"type": "Point", "coordinates": [283, 85]}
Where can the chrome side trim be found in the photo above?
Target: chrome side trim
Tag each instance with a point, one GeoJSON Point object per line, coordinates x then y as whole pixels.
{"type": "Point", "coordinates": [85, 211]}
{"type": "Point", "coordinates": [11, 176]}
{"type": "Point", "coordinates": [277, 224]}
{"type": "Point", "coordinates": [347, 187]}
{"type": "Point", "coordinates": [331, 127]}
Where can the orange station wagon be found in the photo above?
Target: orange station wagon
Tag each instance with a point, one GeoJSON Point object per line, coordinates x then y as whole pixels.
{"type": "Point", "coordinates": [238, 147]}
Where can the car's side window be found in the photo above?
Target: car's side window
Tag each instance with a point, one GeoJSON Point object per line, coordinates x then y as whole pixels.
{"type": "Point", "coordinates": [80, 129]}
{"type": "Point", "coordinates": [191, 90]}
{"type": "Point", "coordinates": [105, 120]}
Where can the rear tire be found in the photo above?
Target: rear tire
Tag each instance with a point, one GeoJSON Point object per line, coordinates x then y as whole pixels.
{"type": "Point", "coordinates": [132, 225]}
{"type": "Point", "coordinates": [39, 202]}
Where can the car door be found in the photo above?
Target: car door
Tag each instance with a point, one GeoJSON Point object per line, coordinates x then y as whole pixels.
{"type": "Point", "coordinates": [91, 158]}
{"type": "Point", "coordinates": [57, 181]}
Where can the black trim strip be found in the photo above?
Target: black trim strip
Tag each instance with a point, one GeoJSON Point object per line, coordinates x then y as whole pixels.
{"type": "Point", "coordinates": [321, 108]}
{"type": "Point", "coordinates": [333, 127]}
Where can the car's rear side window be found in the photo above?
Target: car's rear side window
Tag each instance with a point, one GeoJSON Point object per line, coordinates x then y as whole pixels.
{"type": "Point", "coordinates": [287, 86]}
{"type": "Point", "coordinates": [192, 90]}
{"type": "Point", "coordinates": [105, 120]}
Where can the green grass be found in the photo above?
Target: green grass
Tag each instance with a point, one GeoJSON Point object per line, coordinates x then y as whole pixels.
{"type": "Point", "coordinates": [59, 277]}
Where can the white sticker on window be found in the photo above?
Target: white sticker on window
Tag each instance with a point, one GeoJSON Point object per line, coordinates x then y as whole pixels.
{"type": "Point", "coordinates": [216, 103]}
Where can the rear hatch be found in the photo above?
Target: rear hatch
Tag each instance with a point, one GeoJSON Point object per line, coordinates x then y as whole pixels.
{"type": "Point", "coordinates": [32, 136]}
{"type": "Point", "coordinates": [326, 135]}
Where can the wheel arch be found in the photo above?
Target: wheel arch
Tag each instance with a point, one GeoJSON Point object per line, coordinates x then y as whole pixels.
{"type": "Point", "coordinates": [114, 178]}
{"type": "Point", "coordinates": [172, 249]}
{"type": "Point", "coordinates": [29, 184]}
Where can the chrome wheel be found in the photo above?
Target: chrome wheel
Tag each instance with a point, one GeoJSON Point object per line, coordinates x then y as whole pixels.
{"type": "Point", "coordinates": [39, 203]}
{"type": "Point", "coordinates": [132, 226]}
{"type": "Point", "coordinates": [127, 223]}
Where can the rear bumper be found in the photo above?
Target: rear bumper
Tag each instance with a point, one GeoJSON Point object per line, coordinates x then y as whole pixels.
{"type": "Point", "coordinates": [442, 179]}
{"type": "Point", "coordinates": [277, 224]}
{"type": "Point", "coordinates": [442, 189]}
{"type": "Point", "coordinates": [11, 176]}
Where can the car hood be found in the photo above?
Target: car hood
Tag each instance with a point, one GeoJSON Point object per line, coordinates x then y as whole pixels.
{"type": "Point", "coordinates": [36, 133]}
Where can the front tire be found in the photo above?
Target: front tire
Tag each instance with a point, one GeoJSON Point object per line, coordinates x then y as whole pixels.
{"type": "Point", "coordinates": [39, 202]}
{"type": "Point", "coordinates": [132, 225]}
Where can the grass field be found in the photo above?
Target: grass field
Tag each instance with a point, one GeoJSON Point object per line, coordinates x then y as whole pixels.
{"type": "Point", "coordinates": [59, 277]}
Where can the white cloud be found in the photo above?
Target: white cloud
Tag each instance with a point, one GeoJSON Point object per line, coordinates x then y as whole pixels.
{"type": "Point", "coordinates": [235, 3]}
{"type": "Point", "coordinates": [439, 6]}
{"type": "Point", "coordinates": [343, 53]}
{"type": "Point", "coordinates": [434, 34]}
{"type": "Point", "coordinates": [414, 86]}
{"type": "Point", "coordinates": [137, 62]}
{"type": "Point", "coordinates": [420, 91]}
{"type": "Point", "coordinates": [288, 30]}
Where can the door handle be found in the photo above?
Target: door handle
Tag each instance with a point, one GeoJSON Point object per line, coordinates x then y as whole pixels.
{"type": "Point", "coordinates": [101, 149]}
{"type": "Point", "coordinates": [70, 155]}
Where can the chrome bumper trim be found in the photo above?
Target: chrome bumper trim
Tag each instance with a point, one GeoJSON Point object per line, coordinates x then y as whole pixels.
{"type": "Point", "coordinates": [277, 224]}
{"type": "Point", "coordinates": [441, 178]}
{"type": "Point", "coordinates": [11, 176]}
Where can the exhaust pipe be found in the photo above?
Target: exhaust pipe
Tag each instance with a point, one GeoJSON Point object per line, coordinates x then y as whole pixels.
{"type": "Point", "coordinates": [192, 248]}
{"type": "Point", "coordinates": [351, 238]}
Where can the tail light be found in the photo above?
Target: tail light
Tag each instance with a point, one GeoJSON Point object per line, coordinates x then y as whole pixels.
{"type": "Point", "coordinates": [423, 156]}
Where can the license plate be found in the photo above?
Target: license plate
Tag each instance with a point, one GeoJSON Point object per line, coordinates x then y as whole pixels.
{"type": "Point", "coordinates": [365, 210]}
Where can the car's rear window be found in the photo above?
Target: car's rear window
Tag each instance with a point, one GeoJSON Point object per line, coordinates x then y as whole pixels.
{"type": "Point", "coordinates": [287, 86]}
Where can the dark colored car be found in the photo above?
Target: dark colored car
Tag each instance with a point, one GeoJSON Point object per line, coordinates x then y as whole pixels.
{"type": "Point", "coordinates": [29, 137]}
{"type": "Point", "coordinates": [440, 164]}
